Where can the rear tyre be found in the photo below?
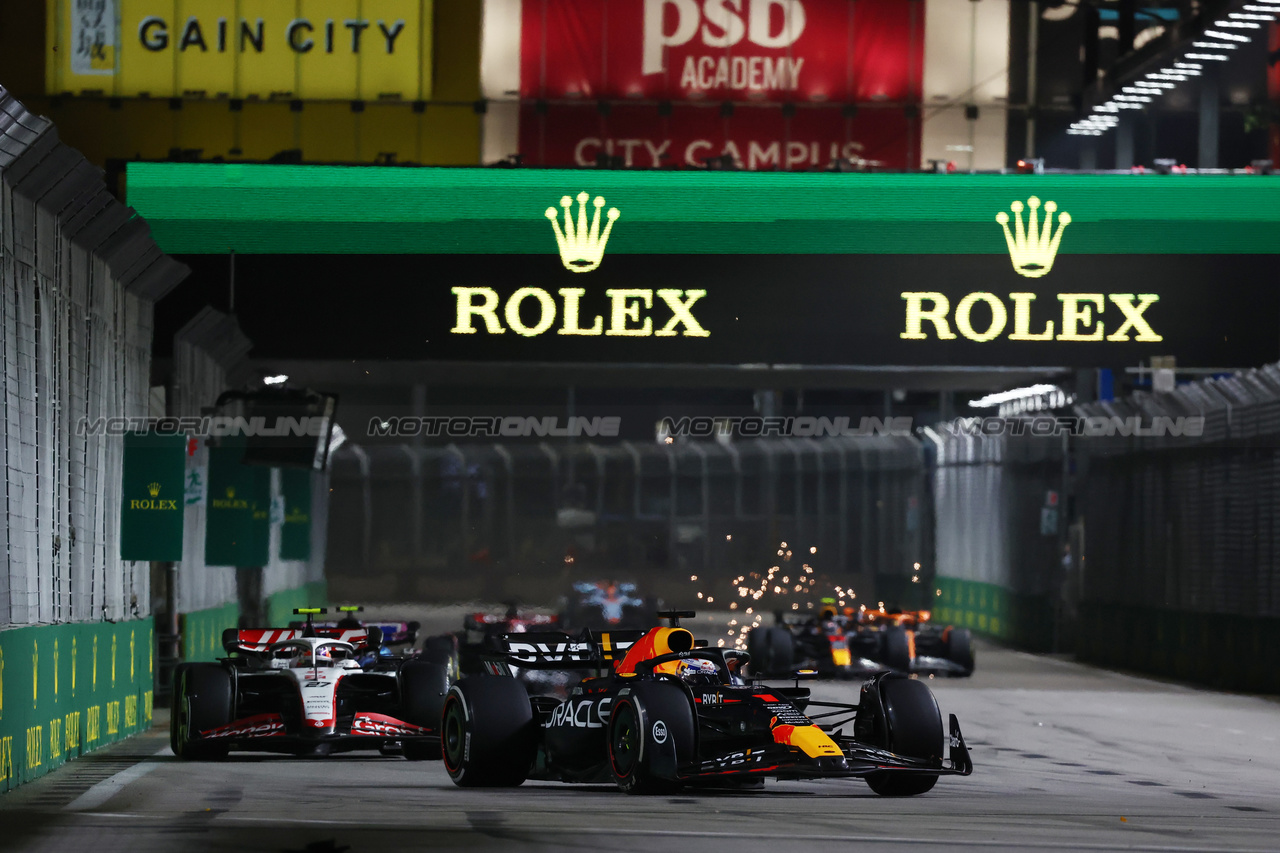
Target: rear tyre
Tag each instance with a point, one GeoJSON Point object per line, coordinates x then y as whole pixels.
{"type": "Point", "coordinates": [960, 649]}
{"type": "Point", "coordinates": [423, 687]}
{"type": "Point", "coordinates": [202, 700]}
{"type": "Point", "coordinates": [895, 649]}
{"type": "Point", "coordinates": [644, 725]}
{"type": "Point", "coordinates": [912, 727]}
{"type": "Point", "coordinates": [488, 734]}
{"type": "Point", "coordinates": [443, 650]}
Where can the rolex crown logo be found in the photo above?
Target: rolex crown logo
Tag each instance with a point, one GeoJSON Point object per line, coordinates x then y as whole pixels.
{"type": "Point", "coordinates": [231, 491]}
{"type": "Point", "coordinates": [153, 488]}
{"type": "Point", "coordinates": [582, 248]}
{"type": "Point", "coordinates": [1032, 250]}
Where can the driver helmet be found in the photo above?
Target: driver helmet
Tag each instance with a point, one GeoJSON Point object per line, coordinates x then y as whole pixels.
{"type": "Point", "coordinates": [324, 657]}
{"type": "Point", "coordinates": [698, 671]}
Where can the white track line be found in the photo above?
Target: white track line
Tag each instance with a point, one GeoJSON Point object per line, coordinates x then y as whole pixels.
{"type": "Point", "coordinates": [109, 787]}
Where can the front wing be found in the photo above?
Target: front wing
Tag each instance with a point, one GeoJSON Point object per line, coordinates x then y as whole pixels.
{"type": "Point", "coordinates": [271, 733]}
{"type": "Point", "coordinates": [785, 762]}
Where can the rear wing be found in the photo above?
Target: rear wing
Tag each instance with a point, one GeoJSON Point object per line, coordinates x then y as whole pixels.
{"type": "Point", "coordinates": [259, 640]}
{"type": "Point", "coordinates": [391, 633]}
{"type": "Point", "coordinates": [558, 650]}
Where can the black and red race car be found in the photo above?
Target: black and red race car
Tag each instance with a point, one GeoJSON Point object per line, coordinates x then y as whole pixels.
{"type": "Point", "coordinates": [303, 691]}
{"type": "Point", "coordinates": [854, 644]}
{"type": "Point", "coordinates": [661, 713]}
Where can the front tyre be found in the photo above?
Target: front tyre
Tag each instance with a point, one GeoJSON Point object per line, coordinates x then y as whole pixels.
{"type": "Point", "coordinates": [911, 727]}
{"type": "Point", "coordinates": [202, 700]}
{"type": "Point", "coordinates": [651, 734]}
{"type": "Point", "coordinates": [488, 734]}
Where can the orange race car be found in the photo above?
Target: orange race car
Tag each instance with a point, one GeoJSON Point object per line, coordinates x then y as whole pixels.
{"type": "Point", "coordinates": [909, 641]}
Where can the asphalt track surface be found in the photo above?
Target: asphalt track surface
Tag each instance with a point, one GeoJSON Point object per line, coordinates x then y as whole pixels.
{"type": "Point", "coordinates": [1066, 757]}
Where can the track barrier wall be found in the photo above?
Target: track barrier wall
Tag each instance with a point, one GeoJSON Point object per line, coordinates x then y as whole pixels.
{"type": "Point", "coordinates": [66, 690]}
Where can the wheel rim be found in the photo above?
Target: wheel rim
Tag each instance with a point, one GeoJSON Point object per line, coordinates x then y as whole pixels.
{"type": "Point", "coordinates": [454, 736]}
{"type": "Point", "coordinates": [624, 744]}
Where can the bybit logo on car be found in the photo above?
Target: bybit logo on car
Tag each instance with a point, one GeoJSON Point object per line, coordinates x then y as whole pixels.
{"type": "Point", "coordinates": [581, 245]}
{"type": "Point", "coordinates": [1032, 249]}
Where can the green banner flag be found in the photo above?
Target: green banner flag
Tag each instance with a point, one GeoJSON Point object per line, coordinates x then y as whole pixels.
{"type": "Point", "coordinates": [295, 531]}
{"type": "Point", "coordinates": [151, 505]}
{"type": "Point", "coordinates": [238, 528]}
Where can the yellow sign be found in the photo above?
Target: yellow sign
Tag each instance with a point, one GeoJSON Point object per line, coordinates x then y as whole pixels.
{"type": "Point", "coordinates": [626, 307]}
{"type": "Point", "coordinates": [1081, 317]}
{"type": "Point", "coordinates": [303, 50]}
{"type": "Point", "coordinates": [1032, 249]}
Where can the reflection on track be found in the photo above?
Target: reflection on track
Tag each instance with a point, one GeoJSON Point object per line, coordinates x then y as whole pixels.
{"type": "Point", "coordinates": [1067, 758]}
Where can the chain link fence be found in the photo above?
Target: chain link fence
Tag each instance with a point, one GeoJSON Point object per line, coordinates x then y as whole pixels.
{"type": "Point", "coordinates": [493, 520]}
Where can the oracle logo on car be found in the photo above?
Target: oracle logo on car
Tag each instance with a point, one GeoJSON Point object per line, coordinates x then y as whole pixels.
{"type": "Point", "coordinates": [723, 23]}
{"type": "Point", "coordinates": [579, 715]}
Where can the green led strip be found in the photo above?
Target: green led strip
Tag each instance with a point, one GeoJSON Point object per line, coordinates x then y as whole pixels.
{"type": "Point", "coordinates": [211, 208]}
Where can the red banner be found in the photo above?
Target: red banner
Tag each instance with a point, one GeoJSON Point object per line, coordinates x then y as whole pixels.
{"type": "Point", "coordinates": [756, 137]}
{"type": "Point", "coordinates": [814, 51]}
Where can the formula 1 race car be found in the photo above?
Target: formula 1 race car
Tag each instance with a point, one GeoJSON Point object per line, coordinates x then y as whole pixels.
{"type": "Point", "coordinates": [665, 713]}
{"type": "Point", "coordinates": [854, 644]}
{"type": "Point", "coordinates": [481, 635]}
{"type": "Point", "coordinates": [908, 641]}
{"type": "Point", "coordinates": [303, 691]}
{"type": "Point", "coordinates": [398, 639]}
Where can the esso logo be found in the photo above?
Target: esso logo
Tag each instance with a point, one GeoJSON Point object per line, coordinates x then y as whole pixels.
{"type": "Point", "coordinates": [660, 732]}
{"type": "Point", "coordinates": [719, 23]}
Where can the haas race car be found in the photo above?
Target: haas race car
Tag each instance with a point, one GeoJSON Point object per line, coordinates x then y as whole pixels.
{"type": "Point", "coordinates": [303, 691]}
{"type": "Point", "coordinates": [664, 713]}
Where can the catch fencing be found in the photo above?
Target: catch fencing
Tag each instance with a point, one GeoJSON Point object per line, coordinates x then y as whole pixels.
{"type": "Point", "coordinates": [415, 522]}
{"type": "Point", "coordinates": [1181, 574]}
{"type": "Point", "coordinates": [1153, 547]}
{"type": "Point", "coordinates": [80, 275]}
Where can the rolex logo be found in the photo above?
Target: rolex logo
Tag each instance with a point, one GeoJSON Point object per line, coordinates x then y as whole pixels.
{"type": "Point", "coordinates": [1033, 249]}
{"type": "Point", "coordinates": [231, 491]}
{"type": "Point", "coordinates": [581, 247]}
{"type": "Point", "coordinates": [153, 488]}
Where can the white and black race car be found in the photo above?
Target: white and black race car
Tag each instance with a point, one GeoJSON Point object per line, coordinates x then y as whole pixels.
{"type": "Point", "coordinates": [303, 691]}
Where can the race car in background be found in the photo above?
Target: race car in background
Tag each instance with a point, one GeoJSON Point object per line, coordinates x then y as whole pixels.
{"type": "Point", "coordinates": [398, 639]}
{"type": "Point", "coordinates": [855, 643]}
{"type": "Point", "coordinates": [480, 636]}
{"type": "Point", "coordinates": [601, 605]}
{"type": "Point", "coordinates": [303, 691]}
{"type": "Point", "coordinates": [909, 641]}
{"type": "Point", "coordinates": [658, 712]}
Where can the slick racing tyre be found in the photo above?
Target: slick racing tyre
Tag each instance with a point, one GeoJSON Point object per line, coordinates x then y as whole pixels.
{"type": "Point", "coordinates": [443, 650]}
{"type": "Point", "coordinates": [911, 727]}
{"type": "Point", "coordinates": [960, 649]}
{"type": "Point", "coordinates": [423, 687]}
{"type": "Point", "coordinates": [488, 733]}
{"type": "Point", "coordinates": [772, 650]}
{"type": "Point", "coordinates": [202, 700]}
{"type": "Point", "coordinates": [895, 649]}
{"type": "Point", "coordinates": [651, 734]}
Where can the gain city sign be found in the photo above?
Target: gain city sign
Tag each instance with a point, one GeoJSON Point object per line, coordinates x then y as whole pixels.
{"type": "Point", "coordinates": [706, 268]}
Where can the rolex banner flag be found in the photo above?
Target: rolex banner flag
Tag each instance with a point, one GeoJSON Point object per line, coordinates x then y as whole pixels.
{"type": "Point", "coordinates": [151, 504]}
{"type": "Point", "coordinates": [295, 530]}
{"type": "Point", "coordinates": [238, 527]}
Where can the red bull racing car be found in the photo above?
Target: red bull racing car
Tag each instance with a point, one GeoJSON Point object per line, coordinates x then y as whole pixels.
{"type": "Point", "coordinates": [661, 713]}
{"type": "Point", "coordinates": [303, 691]}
